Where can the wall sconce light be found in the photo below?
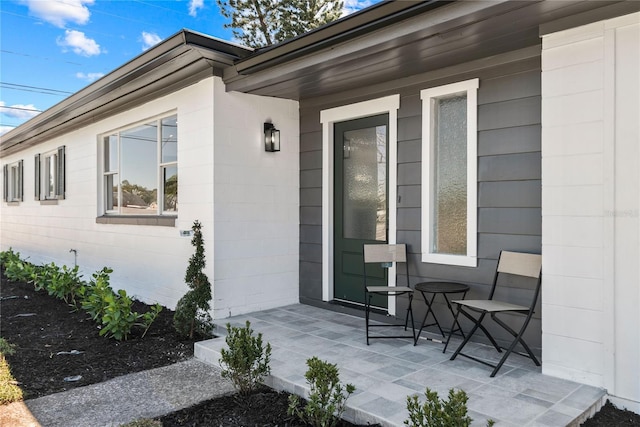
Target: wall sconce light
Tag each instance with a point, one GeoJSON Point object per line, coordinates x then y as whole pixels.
{"type": "Point", "coordinates": [271, 138]}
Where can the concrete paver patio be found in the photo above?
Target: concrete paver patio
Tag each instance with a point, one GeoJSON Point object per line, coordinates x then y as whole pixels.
{"type": "Point", "coordinates": [389, 370]}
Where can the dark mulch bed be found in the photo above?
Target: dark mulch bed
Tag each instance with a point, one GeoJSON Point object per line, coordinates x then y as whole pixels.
{"type": "Point", "coordinates": [263, 408]}
{"type": "Point", "coordinates": [39, 364]}
{"type": "Point", "coordinates": [609, 416]}
{"type": "Point", "coordinates": [56, 327]}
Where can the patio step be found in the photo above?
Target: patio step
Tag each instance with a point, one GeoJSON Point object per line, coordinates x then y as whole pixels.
{"type": "Point", "coordinates": [209, 352]}
{"type": "Point", "coordinates": [385, 372]}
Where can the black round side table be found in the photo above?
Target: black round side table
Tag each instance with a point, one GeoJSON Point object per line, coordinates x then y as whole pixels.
{"type": "Point", "coordinates": [444, 288]}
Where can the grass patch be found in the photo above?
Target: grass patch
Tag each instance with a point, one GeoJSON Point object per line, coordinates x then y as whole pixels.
{"type": "Point", "coordinates": [145, 422]}
{"type": "Point", "coordinates": [9, 390]}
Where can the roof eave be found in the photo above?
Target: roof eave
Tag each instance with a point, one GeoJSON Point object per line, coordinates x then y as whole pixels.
{"type": "Point", "coordinates": [186, 53]}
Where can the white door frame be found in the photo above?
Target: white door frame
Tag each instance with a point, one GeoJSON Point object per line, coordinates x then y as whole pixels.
{"type": "Point", "coordinates": [386, 105]}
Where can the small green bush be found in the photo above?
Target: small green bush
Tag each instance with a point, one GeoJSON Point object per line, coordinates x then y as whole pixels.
{"type": "Point", "coordinates": [96, 295]}
{"type": "Point", "coordinates": [327, 397]}
{"type": "Point", "coordinates": [436, 412]}
{"type": "Point", "coordinates": [65, 284]}
{"type": "Point", "coordinates": [246, 362]}
{"type": "Point", "coordinates": [192, 310]}
{"type": "Point", "coordinates": [15, 269]}
{"type": "Point", "coordinates": [42, 276]}
{"type": "Point", "coordinates": [110, 309]}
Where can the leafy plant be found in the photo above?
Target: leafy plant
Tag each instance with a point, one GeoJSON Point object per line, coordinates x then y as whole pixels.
{"type": "Point", "coordinates": [246, 362]}
{"type": "Point", "coordinates": [327, 397]}
{"type": "Point", "coordinates": [436, 412]}
{"type": "Point", "coordinates": [113, 311]}
{"type": "Point", "coordinates": [95, 296]}
{"type": "Point", "coordinates": [118, 318]}
{"type": "Point", "coordinates": [192, 310]}
{"type": "Point", "coordinates": [64, 284]}
{"type": "Point", "coordinates": [15, 268]}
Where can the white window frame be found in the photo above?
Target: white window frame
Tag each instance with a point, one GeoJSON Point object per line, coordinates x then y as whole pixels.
{"type": "Point", "coordinates": [49, 166]}
{"type": "Point", "coordinates": [14, 182]}
{"type": "Point", "coordinates": [116, 171]}
{"type": "Point", "coordinates": [429, 96]}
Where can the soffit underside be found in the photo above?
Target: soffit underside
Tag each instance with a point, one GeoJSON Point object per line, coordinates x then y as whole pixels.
{"type": "Point", "coordinates": [382, 57]}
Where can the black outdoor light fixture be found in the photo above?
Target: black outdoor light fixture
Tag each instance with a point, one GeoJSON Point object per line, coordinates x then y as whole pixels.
{"type": "Point", "coordinates": [271, 138]}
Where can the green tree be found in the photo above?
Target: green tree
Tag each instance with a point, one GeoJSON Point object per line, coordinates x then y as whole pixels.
{"type": "Point", "coordinates": [259, 23]}
{"type": "Point", "coordinates": [192, 311]}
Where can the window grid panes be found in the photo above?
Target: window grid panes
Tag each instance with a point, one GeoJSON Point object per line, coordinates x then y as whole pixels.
{"type": "Point", "coordinates": [136, 180]}
{"type": "Point", "coordinates": [16, 183]}
{"type": "Point", "coordinates": [50, 175]}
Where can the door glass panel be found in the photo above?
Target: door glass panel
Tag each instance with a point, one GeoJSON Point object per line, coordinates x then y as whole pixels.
{"type": "Point", "coordinates": [365, 188]}
{"type": "Point", "coordinates": [450, 176]}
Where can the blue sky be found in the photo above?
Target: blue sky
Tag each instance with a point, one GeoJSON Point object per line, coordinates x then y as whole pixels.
{"type": "Point", "coordinates": [52, 48]}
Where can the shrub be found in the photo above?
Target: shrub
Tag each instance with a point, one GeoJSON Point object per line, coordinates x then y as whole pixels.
{"type": "Point", "coordinates": [15, 268]}
{"type": "Point", "coordinates": [192, 310]}
{"type": "Point", "coordinates": [111, 310]}
{"type": "Point", "coordinates": [246, 362]}
{"type": "Point", "coordinates": [65, 284]}
{"type": "Point", "coordinates": [95, 296]}
{"type": "Point", "coordinates": [327, 397]}
{"type": "Point", "coordinates": [438, 413]}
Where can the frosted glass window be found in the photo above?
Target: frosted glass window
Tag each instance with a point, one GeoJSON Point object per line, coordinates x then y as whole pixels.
{"type": "Point", "coordinates": [449, 174]}
{"type": "Point", "coordinates": [365, 184]}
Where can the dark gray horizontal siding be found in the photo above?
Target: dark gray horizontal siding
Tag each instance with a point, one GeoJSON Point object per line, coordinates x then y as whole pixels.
{"type": "Point", "coordinates": [509, 174]}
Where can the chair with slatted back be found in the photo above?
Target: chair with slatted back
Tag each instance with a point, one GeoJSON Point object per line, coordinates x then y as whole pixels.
{"type": "Point", "coordinates": [514, 269]}
{"type": "Point", "coordinates": [387, 255]}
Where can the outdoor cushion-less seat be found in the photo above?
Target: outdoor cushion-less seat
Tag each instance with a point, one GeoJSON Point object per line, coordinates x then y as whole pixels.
{"type": "Point", "coordinates": [517, 270]}
{"type": "Point", "coordinates": [386, 255]}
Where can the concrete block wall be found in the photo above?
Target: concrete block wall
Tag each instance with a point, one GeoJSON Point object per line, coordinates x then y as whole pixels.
{"type": "Point", "coordinates": [149, 262]}
{"type": "Point", "coordinates": [256, 204]}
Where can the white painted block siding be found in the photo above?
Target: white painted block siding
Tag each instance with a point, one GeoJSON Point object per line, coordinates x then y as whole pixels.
{"type": "Point", "coordinates": [149, 262]}
{"type": "Point", "coordinates": [256, 204]}
{"type": "Point", "coordinates": [590, 205]}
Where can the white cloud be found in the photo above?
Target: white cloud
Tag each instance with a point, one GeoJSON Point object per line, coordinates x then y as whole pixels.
{"type": "Point", "coordinates": [59, 12]}
{"type": "Point", "coordinates": [194, 5]}
{"type": "Point", "coordinates": [89, 76]}
{"type": "Point", "coordinates": [79, 43]}
{"type": "Point", "coordinates": [351, 6]}
{"type": "Point", "coordinates": [5, 129]}
{"type": "Point", "coordinates": [18, 111]}
{"type": "Point", "coordinates": [149, 40]}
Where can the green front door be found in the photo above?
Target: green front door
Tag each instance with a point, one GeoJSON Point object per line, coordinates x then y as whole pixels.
{"type": "Point", "coordinates": [360, 200]}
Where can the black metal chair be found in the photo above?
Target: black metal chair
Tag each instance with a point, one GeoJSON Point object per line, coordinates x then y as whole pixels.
{"type": "Point", "coordinates": [510, 265]}
{"type": "Point", "coordinates": [386, 255]}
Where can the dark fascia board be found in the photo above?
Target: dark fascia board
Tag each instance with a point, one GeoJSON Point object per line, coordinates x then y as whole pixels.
{"type": "Point", "coordinates": [607, 11]}
{"type": "Point", "coordinates": [349, 27]}
{"type": "Point", "coordinates": [182, 50]}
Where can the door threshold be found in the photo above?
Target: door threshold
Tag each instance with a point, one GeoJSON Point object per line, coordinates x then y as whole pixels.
{"type": "Point", "coordinates": [358, 306]}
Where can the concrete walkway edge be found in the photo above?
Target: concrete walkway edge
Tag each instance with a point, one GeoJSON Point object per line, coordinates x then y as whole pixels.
{"type": "Point", "coordinates": [145, 394]}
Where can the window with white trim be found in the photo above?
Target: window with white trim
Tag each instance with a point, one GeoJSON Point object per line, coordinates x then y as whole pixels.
{"type": "Point", "coordinates": [140, 169]}
{"type": "Point", "coordinates": [449, 174]}
{"type": "Point", "coordinates": [49, 175]}
{"type": "Point", "coordinates": [13, 183]}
